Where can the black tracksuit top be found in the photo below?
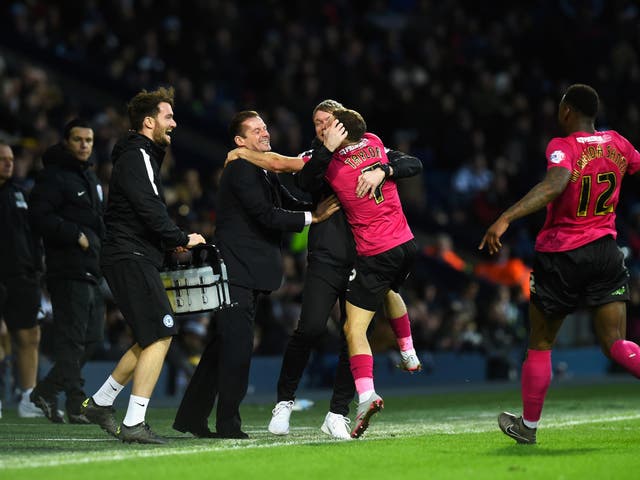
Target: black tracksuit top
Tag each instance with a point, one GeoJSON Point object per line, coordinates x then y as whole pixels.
{"type": "Point", "coordinates": [19, 252]}
{"type": "Point", "coordinates": [138, 224]}
{"type": "Point", "coordinates": [65, 201]}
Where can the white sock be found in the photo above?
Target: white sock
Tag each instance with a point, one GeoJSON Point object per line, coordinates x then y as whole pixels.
{"type": "Point", "coordinates": [136, 411]}
{"type": "Point", "coordinates": [107, 393]}
{"type": "Point", "coordinates": [25, 395]}
{"type": "Point", "coordinates": [364, 396]}
{"type": "Point", "coordinates": [529, 424]}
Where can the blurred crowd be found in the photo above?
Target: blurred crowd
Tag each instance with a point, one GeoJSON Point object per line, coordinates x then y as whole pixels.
{"type": "Point", "coordinates": [471, 88]}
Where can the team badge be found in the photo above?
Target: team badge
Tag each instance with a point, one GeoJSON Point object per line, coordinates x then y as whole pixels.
{"type": "Point", "coordinates": [352, 275]}
{"type": "Point", "coordinates": [557, 156]}
{"type": "Point", "coordinates": [168, 321]}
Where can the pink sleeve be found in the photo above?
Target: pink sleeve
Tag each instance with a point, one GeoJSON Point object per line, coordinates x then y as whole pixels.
{"type": "Point", "coordinates": [633, 159]}
{"type": "Point", "coordinates": [559, 154]}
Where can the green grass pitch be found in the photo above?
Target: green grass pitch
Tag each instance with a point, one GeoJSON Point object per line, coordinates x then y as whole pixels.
{"type": "Point", "coordinates": [587, 432]}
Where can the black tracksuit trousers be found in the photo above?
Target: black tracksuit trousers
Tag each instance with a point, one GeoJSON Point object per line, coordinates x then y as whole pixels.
{"type": "Point", "coordinates": [324, 285]}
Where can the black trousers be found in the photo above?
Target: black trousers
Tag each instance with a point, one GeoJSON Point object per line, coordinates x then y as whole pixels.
{"type": "Point", "coordinates": [78, 328]}
{"type": "Point", "coordinates": [223, 371]}
{"type": "Point", "coordinates": [324, 285]}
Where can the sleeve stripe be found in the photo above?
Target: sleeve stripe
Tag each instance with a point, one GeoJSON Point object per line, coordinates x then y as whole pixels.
{"type": "Point", "coordinates": [147, 164]}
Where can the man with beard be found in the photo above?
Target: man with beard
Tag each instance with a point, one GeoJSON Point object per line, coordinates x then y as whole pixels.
{"type": "Point", "coordinates": [139, 231]}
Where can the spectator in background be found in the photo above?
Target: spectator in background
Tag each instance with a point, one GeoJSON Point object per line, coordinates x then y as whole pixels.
{"type": "Point", "coordinates": [185, 352]}
{"type": "Point", "coordinates": [442, 249]}
{"type": "Point", "coordinates": [502, 332]}
{"type": "Point", "coordinates": [506, 269]}
{"type": "Point", "coordinates": [20, 268]}
{"type": "Point", "coordinates": [471, 179]}
{"type": "Point", "coordinates": [66, 210]}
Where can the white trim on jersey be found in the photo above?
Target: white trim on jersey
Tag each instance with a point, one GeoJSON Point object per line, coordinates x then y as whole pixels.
{"type": "Point", "coordinates": [147, 164]}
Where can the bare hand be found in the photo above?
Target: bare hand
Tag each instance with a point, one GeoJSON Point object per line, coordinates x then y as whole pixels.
{"type": "Point", "coordinates": [334, 135]}
{"type": "Point", "coordinates": [234, 154]}
{"type": "Point", "coordinates": [83, 241]}
{"type": "Point", "coordinates": [325, 209]}
{"type": "Point", "coordinates": [195, 239]}
{"type": "Point", "coordinates": [368, 182]}
{"type": "Point", "coordinates": [492, 237]}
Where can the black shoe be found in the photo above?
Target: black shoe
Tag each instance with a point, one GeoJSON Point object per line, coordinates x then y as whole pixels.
{"type": "Point", "coordinates": [238, 434]}
{"type": "Point", "coordinates": [202, 432]}
{"type": "Point", "coordinates": [140, 433]}
{"type": "Point", "coordinates": [78, 418]}
{"type": "Point", "coordinates": [48, 406]}
{"type": "Point", "coordinates": [102, 416]}
{"type": "Point", "coordinates": [515, 428]}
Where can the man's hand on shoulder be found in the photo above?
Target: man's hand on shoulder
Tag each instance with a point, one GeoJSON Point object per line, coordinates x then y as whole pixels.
{"type": "Point", "coordinates": [234, 154]}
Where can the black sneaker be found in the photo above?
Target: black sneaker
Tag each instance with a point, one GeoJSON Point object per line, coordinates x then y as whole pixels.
{"type": "Point", "coordinates": [515, 428]}
{"type": "Point", "coordinates": [140, 433]}
{"type": "Point", "coordinates": [102, 416]}
{"type": "Point", "coordinates": [78, 418]}
{"type": "Point", "coordinates": [48, 406]}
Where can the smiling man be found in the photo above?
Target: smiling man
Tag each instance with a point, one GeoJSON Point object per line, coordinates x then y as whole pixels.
{"type": "Point", "coordinates": [139, 231]}
{"type": "Point", "coordinates": [254, 209]}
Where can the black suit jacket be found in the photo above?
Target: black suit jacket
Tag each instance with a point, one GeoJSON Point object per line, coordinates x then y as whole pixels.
{"type": "Point", "coordinates": [251, 216]}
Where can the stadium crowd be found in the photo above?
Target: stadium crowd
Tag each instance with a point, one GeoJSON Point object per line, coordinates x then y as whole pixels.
{"type": "Point", "coordinates": [470, 88]}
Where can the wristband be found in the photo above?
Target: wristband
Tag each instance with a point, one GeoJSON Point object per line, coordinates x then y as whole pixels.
{"type": "Point", "coordinates": [386, 168]}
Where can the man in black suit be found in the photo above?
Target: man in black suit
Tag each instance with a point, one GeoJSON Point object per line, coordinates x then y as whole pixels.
{"type": "Point", "coordinates": [253, 211]}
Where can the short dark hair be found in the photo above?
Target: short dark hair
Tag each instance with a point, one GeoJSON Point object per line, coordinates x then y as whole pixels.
{"type": "Point", "coordinates": [582, 98]}
{"type": "Point", "coordinates": [145, 104]}
{"type": "Point", "coordinates": [235, 127]}
{"type": "Point", "coordinates": [75, 123]}
{"type": "Point", "coordinates": [353, 123]}
{"type": "Point", "coordinates": [328, 106]}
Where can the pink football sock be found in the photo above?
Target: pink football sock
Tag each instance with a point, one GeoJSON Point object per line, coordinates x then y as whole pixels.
{"type": "Point", "coordinates": [402, 330]}
{"type": "Point", "coordinates": [362, 371]}
{"type": "Point", "coordinates": [627, 354]}
{"type": "Point", "coordinates": [536, 377]}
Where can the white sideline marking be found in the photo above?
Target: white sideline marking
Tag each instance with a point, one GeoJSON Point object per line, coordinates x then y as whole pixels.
{"type": "Point", "coordinates": [376, 434]}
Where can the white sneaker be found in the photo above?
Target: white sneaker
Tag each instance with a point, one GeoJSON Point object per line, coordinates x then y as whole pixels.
{"type": "Point", "coordinates": [410, 361]}
{"type": "Point", "coordinates": [28, 409]}
{"type": "Point", "coordinates": [279, 424]}
{"type": "Point", "coordinates": [337, 426]}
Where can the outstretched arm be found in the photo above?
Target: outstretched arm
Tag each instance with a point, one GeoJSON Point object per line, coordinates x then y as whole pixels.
{"type": "Point", "coordinates": [272, 161]}
{"type": "Point", "coordinates": [311, 177]}
{"type": "Point", "coordinates": [538, 197]}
